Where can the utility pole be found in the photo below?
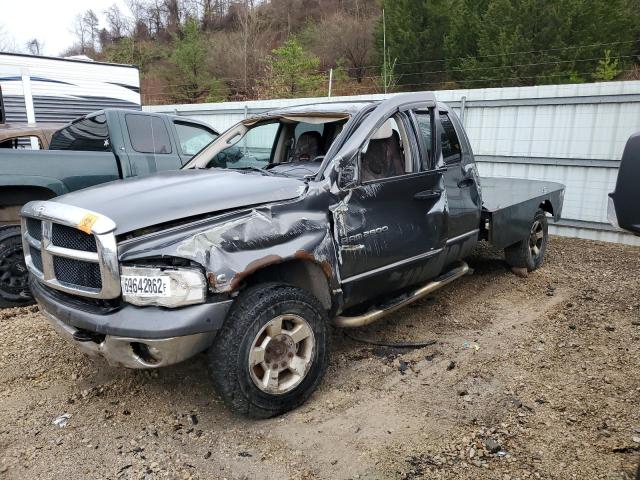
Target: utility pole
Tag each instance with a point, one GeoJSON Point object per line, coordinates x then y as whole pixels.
{"type": "Point", "coordinates": [384, 51]}
{"type": "Point", "coordinates": [330, 82]}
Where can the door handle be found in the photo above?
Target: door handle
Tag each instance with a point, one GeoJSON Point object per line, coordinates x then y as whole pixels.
{"type": "Point", "coordinates": [466, 182]}
{"type": "Point", "coordinates": [428, 195]}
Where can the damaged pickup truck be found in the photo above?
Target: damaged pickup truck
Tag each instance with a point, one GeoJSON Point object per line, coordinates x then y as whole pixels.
{"type": "Point", "coordinates": [290, 220]}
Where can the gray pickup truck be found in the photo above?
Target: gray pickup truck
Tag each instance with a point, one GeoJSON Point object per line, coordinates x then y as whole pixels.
{"type": "Point", "coordinates": [290, 220]}
{"type": "Point", "coordinates": [97, 148]}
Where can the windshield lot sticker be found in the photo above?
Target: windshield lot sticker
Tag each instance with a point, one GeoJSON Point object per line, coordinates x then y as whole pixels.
{"type": "Point", "coordinates": [87, 222]}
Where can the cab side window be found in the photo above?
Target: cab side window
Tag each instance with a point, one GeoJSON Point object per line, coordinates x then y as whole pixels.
{"type": "Point", "coordinates": [451, 151]}
{"type": "Point", "coordinates": [387, 153]}
{"type": "Point", "coordinates": [148, 134]}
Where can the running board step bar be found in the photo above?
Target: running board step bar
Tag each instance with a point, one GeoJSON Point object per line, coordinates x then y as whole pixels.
{"type": "Point", "coordinates": [460, 269]}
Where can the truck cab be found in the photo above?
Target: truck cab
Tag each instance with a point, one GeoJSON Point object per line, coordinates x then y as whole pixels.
{"type": "Point", "coordinates": [291, 220]}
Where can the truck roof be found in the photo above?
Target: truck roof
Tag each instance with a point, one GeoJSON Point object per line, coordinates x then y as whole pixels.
{"type": "Point", "coordinates": [131, 110]}
{"type": "Point", "coordinates": [349, 107]}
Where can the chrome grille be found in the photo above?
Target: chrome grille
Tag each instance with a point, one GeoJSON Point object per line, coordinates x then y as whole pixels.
{"type": "Point", "coordinates": [77, 273]}
{"type": "Point", "coordinates": [34, 227]}
{"type": "Point", "coordinates": [66, 258]}
{"type": "Point", "coordinates": [36, 257]}
{"type": "Point", "coordinates": [68, 237]}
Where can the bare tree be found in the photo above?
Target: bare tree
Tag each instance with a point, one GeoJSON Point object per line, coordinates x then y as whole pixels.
{"type": "Point", "coordinates": [35, 46]}
{"type": "Point", "coordinates": [117, 22]}
{"type": "Point", "coordinates": [347, 36]}
{"type": "Point", "coordinates": [249, 28]}
{"type": "Point", "coordinates": [7, 42]}
{"type": "Point", "coordinates": [91, 27]}
{"type": "Point", "coordinates": [79, 29]}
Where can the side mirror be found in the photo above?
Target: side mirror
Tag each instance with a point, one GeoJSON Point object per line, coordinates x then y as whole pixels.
{"type": "Point", "coordinates": [348, 173]}
{"type": "Point", "coordinates": [624, 201]}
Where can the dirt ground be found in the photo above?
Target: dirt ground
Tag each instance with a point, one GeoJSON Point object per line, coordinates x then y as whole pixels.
{"type": "Point", "coordinates": [535, 377]}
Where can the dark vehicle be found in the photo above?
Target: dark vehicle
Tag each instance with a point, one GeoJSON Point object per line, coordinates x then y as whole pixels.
{"type": "Point", "coordinates": [97, 148]}
{"type": "Point", "coordinates": [624, 201]}
{"type": "Point", "coordinates": [289, 220]}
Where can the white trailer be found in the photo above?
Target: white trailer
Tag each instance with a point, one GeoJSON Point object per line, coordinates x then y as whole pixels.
{"type": "Point", "coordinates": [50, 89]}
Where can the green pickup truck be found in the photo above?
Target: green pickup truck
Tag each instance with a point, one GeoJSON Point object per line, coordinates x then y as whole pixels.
{"type": "Point", "coordinates": [100, 147]}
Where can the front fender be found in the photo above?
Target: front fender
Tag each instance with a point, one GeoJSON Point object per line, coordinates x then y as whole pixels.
{"type": "Point", "coordinates": [232, 247]}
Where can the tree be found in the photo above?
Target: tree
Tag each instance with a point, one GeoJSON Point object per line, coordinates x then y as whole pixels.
{"type": "Point", "coordinates": [607, 68]}
{"type": "Point", "coordinates": [79, 29]}
{"type": "Point", "coordinates": [117, 23]}
{"type": "Point", "coordinates": [292, 71]}
{"type": "Point", "coordinates": [35, 46]}
{"type": "Point", "coordinates": [347, 38]}
{"type": "Point", "coordinates": [190, 79]}
{"type": "Point", "coordinates": [91, 22]}
{"type": "Point", "coordinates": [415, 32]}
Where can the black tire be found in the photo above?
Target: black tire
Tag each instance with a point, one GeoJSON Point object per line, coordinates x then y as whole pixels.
{"type": "Point", "coordinates": [529, 253]}
{"type": "Point", "coordinates": [14, 276]}
{"type": "Point", "coordinates": [229, 355]}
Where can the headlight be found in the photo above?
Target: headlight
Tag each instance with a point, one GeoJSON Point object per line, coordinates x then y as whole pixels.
{"type": "Point", "coordinates": [165, 287]}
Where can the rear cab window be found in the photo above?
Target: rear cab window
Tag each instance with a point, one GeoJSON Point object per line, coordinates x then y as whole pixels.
{"type": "Point", "coordinates": [89, 134]}
{"type": "Point", "coordinates": [148, 134]}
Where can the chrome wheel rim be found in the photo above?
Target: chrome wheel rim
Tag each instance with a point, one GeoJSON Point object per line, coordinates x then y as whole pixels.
{"type": "Point", "coordinates": [536, 239]}
{"type": "Point", "coordinates": [281, 354]}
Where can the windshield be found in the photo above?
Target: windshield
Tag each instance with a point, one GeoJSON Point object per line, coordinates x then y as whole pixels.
{"type": "Point", "coordinates": [291, 145]}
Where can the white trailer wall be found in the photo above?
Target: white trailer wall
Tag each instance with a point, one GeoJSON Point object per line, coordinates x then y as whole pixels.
{"type": "Point", "coordinates": [572, 134]}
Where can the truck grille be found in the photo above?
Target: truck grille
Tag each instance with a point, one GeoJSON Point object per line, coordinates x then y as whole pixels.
{"type": "Point", "coordinates": [76, 272]}
{"type": "Point", "coordinates": [68, 237]}
{"type": "Point", "coordinates": [34, 227]}
{"type": "Point", "coordinates": [66, 258]}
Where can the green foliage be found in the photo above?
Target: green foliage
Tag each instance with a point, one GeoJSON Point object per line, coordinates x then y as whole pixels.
{"type": "Point", "coordinates": [529, 42]}
{"type": "Point", "coordinates": [127, 50]}
{"type": "Point", "coordinates": [188, 74]}
{"type": "Point", "coordinates": [293, 71]}
{"type": "Point", "coordinates": [607, 68]}
{"type": "Point", "coordinates": [415, 33]}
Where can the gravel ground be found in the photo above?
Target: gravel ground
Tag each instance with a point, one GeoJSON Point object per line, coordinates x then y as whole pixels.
{"type": "Point", "coordinates": [535, 377]}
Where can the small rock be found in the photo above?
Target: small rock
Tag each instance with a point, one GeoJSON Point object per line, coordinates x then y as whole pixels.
{"type": "Point", "coordinates": [462, 391]}
{"type": "Point", "coordinates": [520, 272]}
{"type": "Point", "coordinates": [244, 454]}
{"type": "Point", "coordinates": [207, 455]}
{"type": "Point", "coordinates": [609, 328]}
{"type": "Point", "coordinates": [636, 439]}
{"type": "Point", "coordinates": [572, 327]}
{"type": "Point", "coordinates": [451, 365]}
{"type": "Point", "coordinates": [402, 367]}
{"type": "Point", "coordinates": [492, 445]}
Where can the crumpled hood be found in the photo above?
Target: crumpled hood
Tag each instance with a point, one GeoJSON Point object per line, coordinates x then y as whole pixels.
{"type": "Point", "coordinates": [163, 197]}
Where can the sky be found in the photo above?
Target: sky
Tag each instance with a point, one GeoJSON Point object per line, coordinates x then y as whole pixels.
{"type": "Point", "coordinates": [51, 21]}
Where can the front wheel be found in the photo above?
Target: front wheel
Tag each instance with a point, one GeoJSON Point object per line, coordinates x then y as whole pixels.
{"type": "Point", "coordinates": [529, 252]}
{"type": "Point", "coordinates": [14, 276]}
{"type": "Point", "coordinates": [271, 352]}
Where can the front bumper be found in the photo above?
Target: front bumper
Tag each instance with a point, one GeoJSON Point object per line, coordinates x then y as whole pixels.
{"type": "Point", "coordinates": [129, 336]}
{"type": "Point", "coordinates": [134, 352]}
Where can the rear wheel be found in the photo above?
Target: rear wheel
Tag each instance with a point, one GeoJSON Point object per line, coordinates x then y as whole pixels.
{"type": "Point", "coordinates": [529, 253]}
{"type": "Point", "coordinates": [272, 351]}
{"type": "Point", "coordinates": [14, 276]}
